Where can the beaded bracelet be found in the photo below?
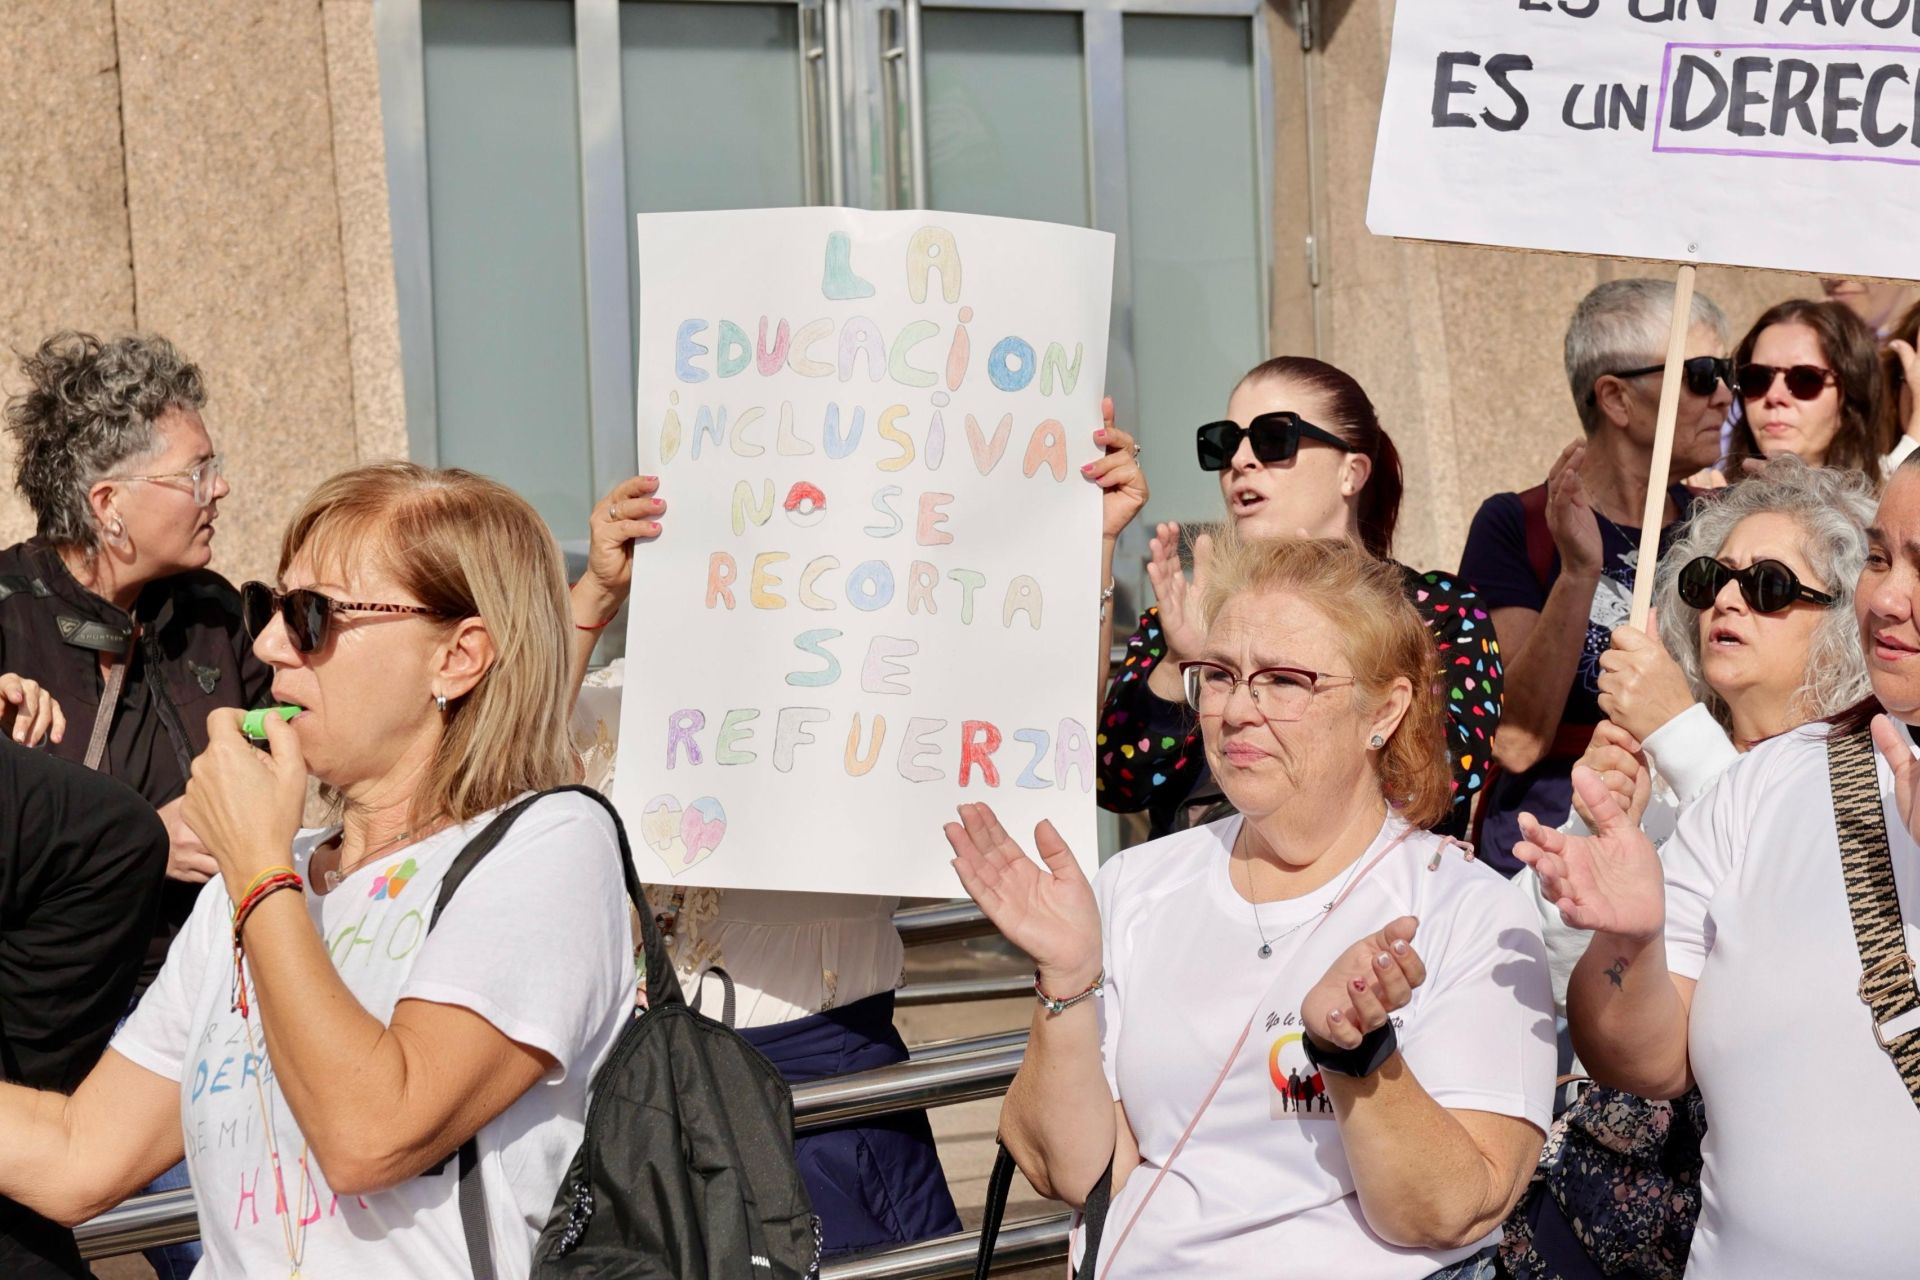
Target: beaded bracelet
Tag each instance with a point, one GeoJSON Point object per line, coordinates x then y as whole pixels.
{"type": "Point", "coordinates": [1061, 1006]}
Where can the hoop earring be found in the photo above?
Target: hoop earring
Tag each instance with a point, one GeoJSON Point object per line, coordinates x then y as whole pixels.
{"type": "Point", "coordinates": [440, 703]}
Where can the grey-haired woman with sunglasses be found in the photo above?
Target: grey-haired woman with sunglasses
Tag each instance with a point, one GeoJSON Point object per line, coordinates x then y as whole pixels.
{"type": "Point", "coordinates": [1301, 453]}
{"type": "Point", "coordinates": [1756, 636]}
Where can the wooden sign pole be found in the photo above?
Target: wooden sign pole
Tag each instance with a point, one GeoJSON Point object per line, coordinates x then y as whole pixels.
{"type": "Point", "coordinates": [1656, 507]}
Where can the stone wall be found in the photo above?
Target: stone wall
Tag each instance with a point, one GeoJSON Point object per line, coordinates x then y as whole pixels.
{"type": "Point", "coordinates": [211, 170]}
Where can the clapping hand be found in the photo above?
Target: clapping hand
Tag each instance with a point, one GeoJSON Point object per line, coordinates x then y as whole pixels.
{"type": "Point", "coordinates": [1608, 882]}
{"type": "Point", "coordinates": [1177, 596]}
{"type": "Point", "coordinates": [1370, 980]}
{"type": "Point", "coordinates": [1910, 378]}
{"type": "Point", "coordinates": [1048, 912]}
{"type": "Point", "coordinates": [1893, 743]}
{"type": "Point", "coordinates": [1570, 518]}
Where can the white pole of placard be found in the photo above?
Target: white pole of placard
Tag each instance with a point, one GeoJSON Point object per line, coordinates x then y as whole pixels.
{"type": "Point", "coordinates": [1662, 461]}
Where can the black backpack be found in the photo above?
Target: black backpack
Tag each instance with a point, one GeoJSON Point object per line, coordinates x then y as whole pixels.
{"type": "Point", "coordinates": [686, 1171]}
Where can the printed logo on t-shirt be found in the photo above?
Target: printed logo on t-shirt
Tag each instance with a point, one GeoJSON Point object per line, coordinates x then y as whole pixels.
{"type": "Point", "coordinates": [1299, 1091]}
{"type": "Point", "coordinates": [1612, 607]}
{"type": "Point", "coordinates": [389, 883]}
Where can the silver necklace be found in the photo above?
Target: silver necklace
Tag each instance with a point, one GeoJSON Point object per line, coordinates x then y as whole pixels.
{"type": "Point", "coordinates": [1266, 943]}
{"type": "Point", "coordinates": [334, 875]}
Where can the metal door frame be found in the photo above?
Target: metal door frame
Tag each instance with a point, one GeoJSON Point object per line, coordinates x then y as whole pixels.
{"type": "Point", "coordinates": [849, 77]}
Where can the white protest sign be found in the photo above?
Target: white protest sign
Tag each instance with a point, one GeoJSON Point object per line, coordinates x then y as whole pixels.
{"type": "Point", "coordinates": [876, 596]}
{"type": "Point", "coordinates": [1764, 133]}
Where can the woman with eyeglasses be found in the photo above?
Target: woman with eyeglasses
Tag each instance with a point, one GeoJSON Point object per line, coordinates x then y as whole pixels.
{"type": "Point", "coordinates": [323, 1038]}
{"type": "Point", "coordinates": [116, 639]}
{"type": "Point", "coordinates": [1301, 454]}
{"type": "Point", "coordinates": [1310, 1038]}
{"type": "Point", "coordinates": [1756, 638]}
{"type": "Point", "coordinates": [1807, 381]}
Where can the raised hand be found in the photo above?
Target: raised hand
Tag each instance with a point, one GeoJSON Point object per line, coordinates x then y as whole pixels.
{"type": "Point", "coordinates": [1122, 483]}
{"type": "Point", "coordinates": [630, 512]}
{"type": "Point", "coordinates": [1641, 686]}
{"type": "Point", "coordinates": [1048, 912]}
{"type": "Point", "coordinates": [1608, 882]}
{"type": "Point", "coordinates": [1371, 979]}
{"type": "Point", "coordinates": [1177, 596]}
{"type": "Point", "coordinates": [246, 803]}
{"type": "Point", "coordinates": [1618, 759]}
{"type": "Point", "coordinates": [1893, 743]}
{"type": "Point", "coordinates": [28, 713]}
{"type": "Point", "coordinates": [1570, 518]}
{"type": "Point", "coordinates": [1910, 379]}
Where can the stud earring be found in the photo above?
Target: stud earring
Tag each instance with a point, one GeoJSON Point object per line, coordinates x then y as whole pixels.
{"type": "Point", "coordinates": [1376, 742]}
{"type": "Point", "coordinates": [440, 703]}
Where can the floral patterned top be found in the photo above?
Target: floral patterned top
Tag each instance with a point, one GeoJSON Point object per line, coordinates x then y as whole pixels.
{"type": "Point", "coordinates": [1150, 753]}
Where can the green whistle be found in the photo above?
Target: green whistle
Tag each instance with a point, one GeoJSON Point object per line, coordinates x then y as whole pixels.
{"type": "Point", "coordinates": [254, 723]}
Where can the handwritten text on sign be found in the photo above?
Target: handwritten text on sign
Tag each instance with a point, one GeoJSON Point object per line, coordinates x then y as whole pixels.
{"type": "Point", "coordinates": [1772, 133]}
{"type": "Point", "coordinates": [877, 594]}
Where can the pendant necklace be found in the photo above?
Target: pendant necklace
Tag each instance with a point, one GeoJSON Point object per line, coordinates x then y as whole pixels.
{"type": "Point", "coordinates": [1266, 943]}
{"type": "Point", "coordinates": [334, 876]}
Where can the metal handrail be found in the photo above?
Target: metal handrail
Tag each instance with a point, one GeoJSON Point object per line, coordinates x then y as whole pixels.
{"type": "Point", "coordinates": [905, 1086]}
{"type": "Point", "coordinates": [942, 922]}
{"type": "Point", "coordinates": [940, 1074]}
{"type": "Point", "coordinates": [915, 994]}
{"type": "Point", "coordinates": [1026, 1243]}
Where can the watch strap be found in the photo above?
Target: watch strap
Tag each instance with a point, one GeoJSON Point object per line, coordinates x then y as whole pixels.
{"type": "Point", "coordinates": [1362, 1060]}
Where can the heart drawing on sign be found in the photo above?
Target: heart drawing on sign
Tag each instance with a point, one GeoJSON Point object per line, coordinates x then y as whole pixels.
{"type": "Point", "coordinates": [683, 838]}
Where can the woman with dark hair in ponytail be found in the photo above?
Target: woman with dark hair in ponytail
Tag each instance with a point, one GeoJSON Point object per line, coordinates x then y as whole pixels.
{"type": "Point", "coordinates": [1301, 454]}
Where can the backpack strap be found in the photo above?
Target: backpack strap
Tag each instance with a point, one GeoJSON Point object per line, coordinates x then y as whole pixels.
{"type": "Point", "coordinates": [1886, 970]}
{"type": "Point", "coordinates": [1093, 1217]}
{"type": "Point", "coordinates": [661, 987]}
{"type": "Point", "coordinates": [726, 993]}
{"type": "Point", "coordinates": [1541, 550]}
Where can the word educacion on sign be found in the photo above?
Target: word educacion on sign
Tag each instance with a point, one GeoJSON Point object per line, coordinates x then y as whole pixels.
{"type": "Point", "coordinates": [1831, 87]}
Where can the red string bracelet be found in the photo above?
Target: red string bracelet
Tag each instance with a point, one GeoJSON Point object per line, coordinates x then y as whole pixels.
{"type": "Point", "coordinates": [265, 888]}
{"type": "Point", "coordinates": [598, 626]}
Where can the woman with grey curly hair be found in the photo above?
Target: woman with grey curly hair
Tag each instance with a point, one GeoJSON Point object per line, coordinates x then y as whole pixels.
{"type": "Point", "coordinates": [1756, 637]}
{"type": "Point", "coordinates": [116, 640]}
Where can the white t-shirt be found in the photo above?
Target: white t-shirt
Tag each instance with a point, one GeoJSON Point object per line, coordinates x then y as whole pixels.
{"type": "Point", "coordinates": [1687, 755]}
{"type": "Point", "coordinates": [536, 942]}
{"type": "Point", "coordinates": [1813, 1144]}
{"type": "Point", "coordinates": [1263, 1184]}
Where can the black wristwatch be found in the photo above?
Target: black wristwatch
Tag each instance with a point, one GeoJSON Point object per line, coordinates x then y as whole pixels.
{"type": "Point", "coordinates": [1362, 1060]}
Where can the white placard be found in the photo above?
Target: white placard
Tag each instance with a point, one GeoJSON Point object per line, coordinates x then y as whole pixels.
{"type": "Point", "coordinates": [1764, 133]}
{"type": "Point", "coordinates": [876, 595]}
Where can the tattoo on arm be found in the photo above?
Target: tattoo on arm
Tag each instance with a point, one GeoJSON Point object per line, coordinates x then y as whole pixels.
{"type": "Point", "coordinates": [1617, 972]}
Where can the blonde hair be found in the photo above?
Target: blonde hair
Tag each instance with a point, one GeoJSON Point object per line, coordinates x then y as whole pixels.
{"type": "Point", "coordinates": [1381, 636]}
{"type": "Point", "coordinates": [465, 547]}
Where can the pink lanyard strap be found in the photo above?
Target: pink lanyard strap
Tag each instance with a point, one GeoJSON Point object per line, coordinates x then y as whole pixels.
{"type": "Point", "coordinates": [1233, 1055]}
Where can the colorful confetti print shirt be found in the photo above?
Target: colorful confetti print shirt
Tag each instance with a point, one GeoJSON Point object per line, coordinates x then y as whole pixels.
{"type": "Point", "coordinates": [1150, 753]}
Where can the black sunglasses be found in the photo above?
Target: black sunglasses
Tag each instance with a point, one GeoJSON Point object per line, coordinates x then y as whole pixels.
{"type": "Point", "coordinates": [1276, 437]}
{"type": "Point", "coordinates": [1768, 585]}
{"type": "Point", "coordinates": [1804, 381]}
{"type": "Point", "coordinates": [308, 614]}
{"type": "Point", "coordinates": [1702, 374]}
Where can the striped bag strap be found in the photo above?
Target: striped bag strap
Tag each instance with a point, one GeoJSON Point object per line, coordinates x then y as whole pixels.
{"type": "Point", "coordinates": [1886, 970]}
